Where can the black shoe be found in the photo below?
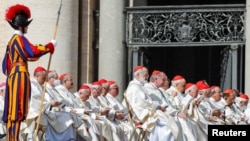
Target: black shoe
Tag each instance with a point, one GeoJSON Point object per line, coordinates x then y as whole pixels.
{"type": "Point", "coordinates": [2, 135]}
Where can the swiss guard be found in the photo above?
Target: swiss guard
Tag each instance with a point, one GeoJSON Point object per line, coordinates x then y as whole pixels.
{"type": "Point", "coordinates": [19, 51]}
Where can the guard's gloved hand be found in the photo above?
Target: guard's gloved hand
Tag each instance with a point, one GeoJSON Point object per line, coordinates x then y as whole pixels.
{"type": "Point", "coordinates": [51, 45]}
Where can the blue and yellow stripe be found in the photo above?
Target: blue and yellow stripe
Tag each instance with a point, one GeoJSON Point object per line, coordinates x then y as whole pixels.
{"type": "Point", "coordinates": [18, 87]}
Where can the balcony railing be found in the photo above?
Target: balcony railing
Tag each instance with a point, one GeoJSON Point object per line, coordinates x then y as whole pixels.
{"type": "Point", "coordinates": [196, 25]}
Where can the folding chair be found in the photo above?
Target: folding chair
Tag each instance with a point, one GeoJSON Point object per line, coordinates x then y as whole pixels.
{"type": "Point", "coordinates": [41, 132]}
{"type": "Point", "coordinates": [137, 125]}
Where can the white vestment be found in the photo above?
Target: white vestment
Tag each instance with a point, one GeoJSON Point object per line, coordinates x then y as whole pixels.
{"type": "Point", "coordinates": [188, 128]}
{"type": "Point", "coordinates": [193, 113]}
{"type": "Point", "coordinates": [247, 113]}
{"type": "Point", "coordinates": [71, 103]}
{"type": "Point", "coordinates": [107, 124]}
{"type": "Point", "coordinates": [95, 126]}
{"type": "Point", "coordinates": [176, 97]}
{"type": "Point", "coordinates": [231, 115]}
{"type": "Point", "coordinates": [58, 122]}
{"type": "Point", "coordinates": [29, 125]}
{"type": "Point", "coordinates": [238, 110]}
{"type": "Point", "coordinates": [207, 106]}
{"type": "Point", "coordinates": [116, 124]}
{"type": "Point", "coordinates": [2, 125]}
{"type": "Point", "coordinates": [216, 105]}
{"type": "Point", "coordinates": [145, 111]}
{"type": "Point", "coordinates": [105, 103]}
{"type": "Point", "coordinates": [35, 101]}
{"type": "Point", "coordinates": [117, 106]}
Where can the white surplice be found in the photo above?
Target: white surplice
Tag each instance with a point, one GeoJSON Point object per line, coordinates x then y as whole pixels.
{"type": "Point", "coordinates": [176, 97]}
{"type": "Point", "coordinates": [71, 103]}
{"type": "Point", "coordinates": [231, 115]}
{"type": "Point", "coordinates": [29, 126]}
{"type": "Point", "coordinates": [58, 122]}
{"type": "Point", "coordinates": [95, 126]}
{"type": "Point", "coordinates": [193, 113]}
{"type": "Point", "coordinates": [2, 125]}
{"type": "Point", "coordinates": [117, 106]}
{"type": "Point", "coordinates": [106, 122]}
{"type": "Point", "coordinates": [145, 111]}
{"type": "Point", "coordinates": [207, 106]}
{"type": "Point", "coordinates": [188, 129]}
{"type": "Point", "coordinates": [247, 113]}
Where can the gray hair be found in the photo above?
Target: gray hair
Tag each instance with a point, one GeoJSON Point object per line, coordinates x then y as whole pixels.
{"type": "Point", "coordinates": [175, 82]}
{"type": "Point", "coordinates": [154, 77]}
{"type": "Point", "coordinates": [137, 72]}
{"type": "Point", "coordinates": [51, 74]}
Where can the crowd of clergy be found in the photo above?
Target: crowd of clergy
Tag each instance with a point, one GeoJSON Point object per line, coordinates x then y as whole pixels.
{"type": "Point", "coordinates": [154, 108]}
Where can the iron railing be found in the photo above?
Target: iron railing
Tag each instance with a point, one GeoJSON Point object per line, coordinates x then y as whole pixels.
{"type": "Point", "coordinates": [192, 25]}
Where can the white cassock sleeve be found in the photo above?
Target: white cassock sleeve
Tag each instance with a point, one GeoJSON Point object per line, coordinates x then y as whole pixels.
{"type": "Point", "coordinates": [140, 102]}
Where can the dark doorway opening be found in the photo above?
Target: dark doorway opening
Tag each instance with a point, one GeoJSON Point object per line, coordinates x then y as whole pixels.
{"type": "Point", "coordinates": [194, 63]}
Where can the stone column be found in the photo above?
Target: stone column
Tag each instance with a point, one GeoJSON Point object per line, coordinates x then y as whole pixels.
{"type": "Point", "coordinates": [247, 49]}
{"type": "Point", "coordinates": [86, 36]}
{"type": "Point", "coordinates": [112, 62]}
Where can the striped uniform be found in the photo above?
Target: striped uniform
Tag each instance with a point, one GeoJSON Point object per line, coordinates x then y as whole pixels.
{"type": "Point", "coordinates": [18, 52]}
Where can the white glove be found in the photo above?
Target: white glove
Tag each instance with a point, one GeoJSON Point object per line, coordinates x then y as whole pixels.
{"type": "Point", "coordinates": [54, 42]}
